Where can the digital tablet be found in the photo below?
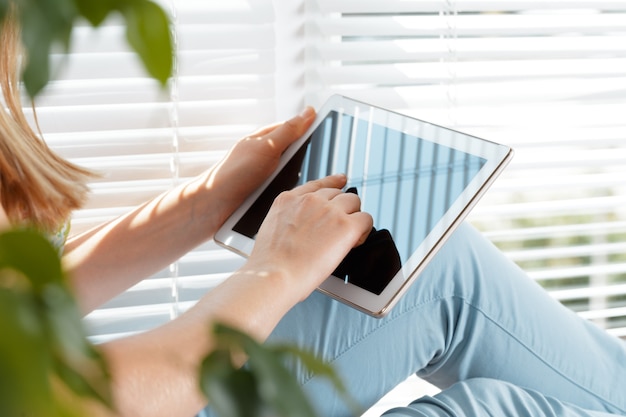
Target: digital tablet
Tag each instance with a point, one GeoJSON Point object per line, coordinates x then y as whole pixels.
{"type": "Point", "coordinates": [417, 180]}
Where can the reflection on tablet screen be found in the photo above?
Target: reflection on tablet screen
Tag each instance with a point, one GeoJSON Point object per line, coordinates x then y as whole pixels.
{"type": "Point", "coordinates": [405, 182]}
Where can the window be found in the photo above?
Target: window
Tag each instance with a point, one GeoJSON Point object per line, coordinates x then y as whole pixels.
{"type": "Point", "coordinates": [546, 77]}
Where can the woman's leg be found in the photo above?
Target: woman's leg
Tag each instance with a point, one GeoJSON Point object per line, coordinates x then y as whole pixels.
{"type": "Point", "coordinates": [472, 313]}
{"type": "Point", "coordinates": [490, 397]}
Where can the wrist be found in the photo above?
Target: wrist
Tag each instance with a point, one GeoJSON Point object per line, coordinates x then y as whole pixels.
{"type": "Point", "coordinates": [253, 299]}
{"type": "Point", "coordinates": [208, 207]}
{"type": "Point", "coordinates": [213, 200]}
{"type": "Point", "coordinates": [274, 277]}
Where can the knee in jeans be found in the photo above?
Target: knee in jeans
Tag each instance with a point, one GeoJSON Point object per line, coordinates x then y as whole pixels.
{"type": "Point", "coordinates": [471, 394]}
{"type": "Point", "coordinates": [485, 396]}
{"type": "Point", "coordinates": [463, 399]}
{"type": "Point", "coordinates": [479, 386]}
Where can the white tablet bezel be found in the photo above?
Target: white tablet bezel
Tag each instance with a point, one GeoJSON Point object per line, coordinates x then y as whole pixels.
{"type": "Point", "coordinates": [496, 156]}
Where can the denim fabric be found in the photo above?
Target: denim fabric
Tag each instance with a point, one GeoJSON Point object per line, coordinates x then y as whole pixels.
{"type": "Point", "coordinates": [477, 327]}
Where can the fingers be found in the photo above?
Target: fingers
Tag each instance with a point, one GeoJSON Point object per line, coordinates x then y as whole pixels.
{"type": "Point", "coordinates": [336, 181]}
{"type": "Point", "coordinates": [329, 188]}
{"type": "Point", "coordinates": [284, 134]}
{"type": "Point", "coordinates": [264, 130]}
{"type": "Point", "coordinates": [348, 203]}
{"type": "Point", "coordinates": [367, 222]}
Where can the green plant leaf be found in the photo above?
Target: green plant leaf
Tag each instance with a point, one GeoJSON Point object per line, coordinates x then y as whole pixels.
{"type": "Point", "coordinates": [43, 335]}
{"type": "Point", "coordinates": [78, 383]}
{"type": "Point", "coordinates": [231, 392]}
{"type": "Point", "coordinates": [24, 362]}
{"type": "Point", "coordinates": [322, 369]}
{"type": "Point", "coordinates": [28, 252]}
{"type": "Point", "coordinates": [277, 388]}
{"type": "Point", "coordinates": [47, 28]}
{"type": "Point", "coordinates": [44, 24]}
{"type": "Point", "coordinates": [77, 362]}
{"type": "Point", "coordinates": [148, 32]}
{"type": "Point", "coordinates": [36, 74]}
{"type": "Point", "coordinates": [4, 8]}
{"type": "Point", "coordinates": [96, 11]}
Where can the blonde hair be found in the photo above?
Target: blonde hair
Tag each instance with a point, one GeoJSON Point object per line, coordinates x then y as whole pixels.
{"type": "Point", "coordinates": [37, 187]}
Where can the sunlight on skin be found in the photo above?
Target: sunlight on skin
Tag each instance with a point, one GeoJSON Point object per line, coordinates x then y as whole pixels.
{"type": "Point", "coordinates": [258, 137]}
{"type": "Point", "coordinates": [255, 273]}
{"type": "Point", "coordinates": [262, 144]}
{"type": "Point", "coordinates": [4, 219]}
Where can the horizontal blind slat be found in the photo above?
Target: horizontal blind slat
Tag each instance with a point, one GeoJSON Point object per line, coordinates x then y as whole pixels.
{"type": "Point", "coordinates": [558, 231]}
{"type": "Point", "coordinates": [567, 251]}
{"type": "Point", "coordinates": [432, 6]}
{"type": "Point", "coordinates": [402, 25]}
{"type": "Point", "coordinates": [476, 71]}
{"type": "Point", "coordinates": [586, 292]}
{"type": "Point", "coordinates": [480, 48]}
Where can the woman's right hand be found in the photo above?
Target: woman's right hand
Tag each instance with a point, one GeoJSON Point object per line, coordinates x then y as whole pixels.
{"type": "Point", "coordinates": [308, 231]}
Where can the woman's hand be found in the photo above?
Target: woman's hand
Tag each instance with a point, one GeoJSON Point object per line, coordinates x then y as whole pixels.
{"type": "Point", "coordinates": [308, 231]}
{"type": "Point", "coordinates": [253, 159]}
{"type": "Point", "coordinates": [110, 258]}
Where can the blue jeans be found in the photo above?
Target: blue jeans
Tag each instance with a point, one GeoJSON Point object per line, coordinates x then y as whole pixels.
{"type": "Point", "coordinates": [477, 327]}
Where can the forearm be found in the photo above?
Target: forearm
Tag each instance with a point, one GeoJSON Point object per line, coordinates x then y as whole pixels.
{"type": "Point", "coordinates": [107, 260]}
{"type": "Point", "coordinates": [157, 373]}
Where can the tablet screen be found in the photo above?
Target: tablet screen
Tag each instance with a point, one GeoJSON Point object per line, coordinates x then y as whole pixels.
{"type": "Point", "coordinates": [407, 183]}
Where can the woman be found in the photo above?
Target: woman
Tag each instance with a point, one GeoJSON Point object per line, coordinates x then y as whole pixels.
{"type": "Point", "coordinates": [39, 188]}
{"type": "Point", "coordinates": [473, 323]}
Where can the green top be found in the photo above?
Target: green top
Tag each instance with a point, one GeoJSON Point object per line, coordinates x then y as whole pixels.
{"type": "Point", "coordinates": [59, 237]}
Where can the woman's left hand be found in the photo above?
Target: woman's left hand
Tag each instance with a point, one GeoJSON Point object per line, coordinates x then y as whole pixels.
{"type": "Point", "coordinates": [252, 159]}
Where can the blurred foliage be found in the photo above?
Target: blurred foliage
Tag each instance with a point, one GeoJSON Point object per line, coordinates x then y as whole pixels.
{"type": "Point", "coordinates": [264, 387]}
{"type": "Point", "coordinates": [47, 361]}
{"type": "Point", "coordinates": [44, 348]}
{"type": "Point", "coordinates": [47, 27]}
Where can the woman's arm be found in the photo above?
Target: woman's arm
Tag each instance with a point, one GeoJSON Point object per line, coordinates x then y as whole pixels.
{"type": "Point", "coordinates": [304, 237]}
{"type": "Point", "coordinates": [112, 257]}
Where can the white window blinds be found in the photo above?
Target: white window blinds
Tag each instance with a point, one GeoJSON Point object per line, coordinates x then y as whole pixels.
{"type": "Point", "coordinates": [102, 111]}
{"type": "Point", "coordinates": [546, 77]}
